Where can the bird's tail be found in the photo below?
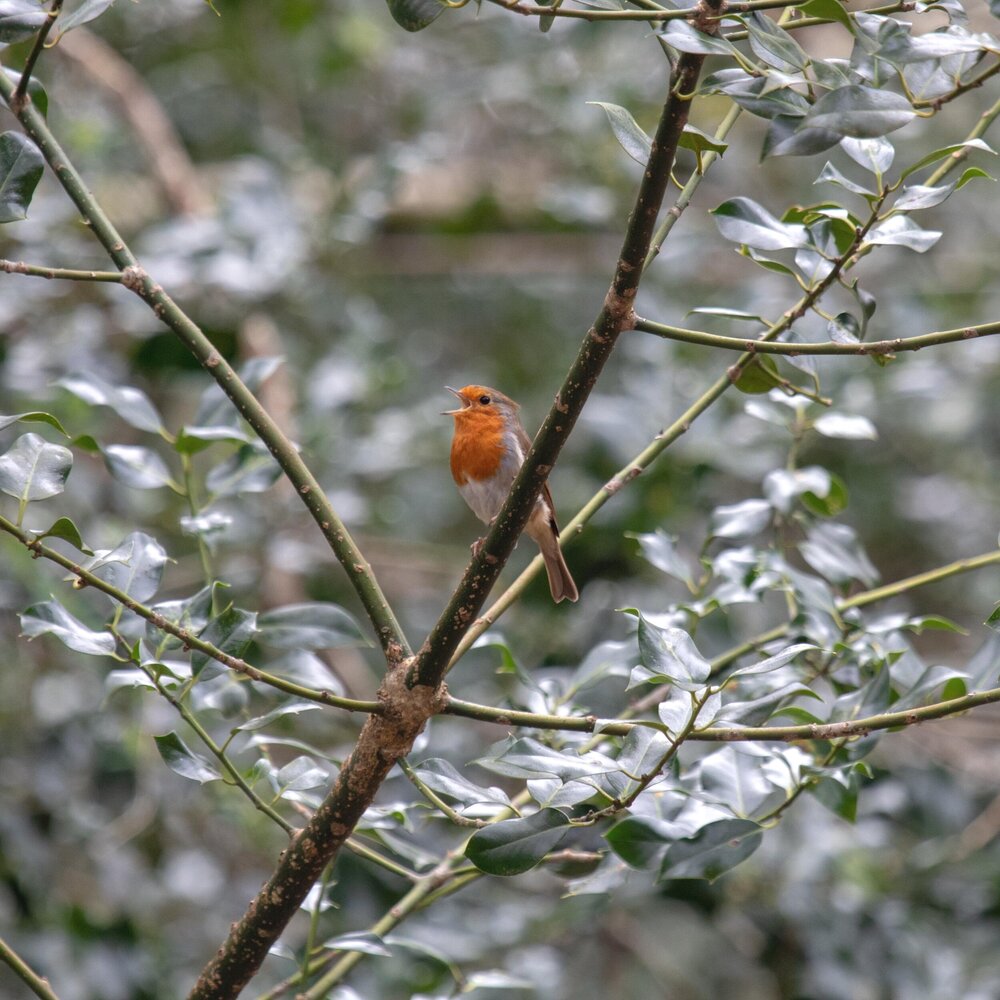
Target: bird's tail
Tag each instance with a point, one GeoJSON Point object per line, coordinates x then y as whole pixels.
{"type": "Point", "coordinates": [560, 580]}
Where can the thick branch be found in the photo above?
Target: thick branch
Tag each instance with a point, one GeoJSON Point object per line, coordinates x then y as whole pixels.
{"type": "Point", "coordinates": [790, 349]}
{"type": "Point", "coordinates": [390, 635]}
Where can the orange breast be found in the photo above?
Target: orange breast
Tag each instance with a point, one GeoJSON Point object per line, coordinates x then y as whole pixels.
{"type": "Point", "coordinates": [477, 447]}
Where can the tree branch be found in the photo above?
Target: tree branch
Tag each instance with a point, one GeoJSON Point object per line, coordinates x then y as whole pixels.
{"type": "Point", "coordinates": [20, 97]}
{"type": "Point", "coordinates": [188, 638]}
{"type": "Point", "coordinates": [792, 349]}
{"type": "Point", "coordinates": [66, 274]}
{"type": "Point", "coordinates": [533, 10]}
{"type": "Point", "coordinates": [390, 635]}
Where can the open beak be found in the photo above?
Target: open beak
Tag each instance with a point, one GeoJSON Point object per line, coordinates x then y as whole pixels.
{"type": "Point", "coordinates": [465, 403]}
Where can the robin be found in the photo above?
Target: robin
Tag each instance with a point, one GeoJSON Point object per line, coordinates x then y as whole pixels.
{"type": "Point", "coordinates": [486, 453]}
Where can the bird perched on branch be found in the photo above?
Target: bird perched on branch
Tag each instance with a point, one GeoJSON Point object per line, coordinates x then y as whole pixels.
{"type": "Point", "coordinates": [487, 451]}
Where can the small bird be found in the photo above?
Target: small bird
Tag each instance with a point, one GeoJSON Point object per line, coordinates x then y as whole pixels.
{"type": "Point", "coordinates": [487, 451]}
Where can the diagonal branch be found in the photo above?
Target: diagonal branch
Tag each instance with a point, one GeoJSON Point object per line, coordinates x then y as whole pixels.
{"type": "Point", "coordinates": [388, 630]}
{"type": "Point", "coordinates": [412, 694]}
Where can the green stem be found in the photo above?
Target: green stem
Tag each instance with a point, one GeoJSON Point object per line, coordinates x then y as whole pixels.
{"type": "Point", "coordinates": [67, 274]}
{"type": "Point", "coordinates": [188, 638]}
{"type": "Point", "coordinates": [435, 800]}
{"type": "Point", "coordinates": [876, 347]}
{"type": "Point", "coordinates": [986, 119]}
{"type": "Point", "coordinates": [21, 93]}
{"type": "Point", "coordinates": [38, 985]}
{"type": "Point", "coordinates": [390, 635]}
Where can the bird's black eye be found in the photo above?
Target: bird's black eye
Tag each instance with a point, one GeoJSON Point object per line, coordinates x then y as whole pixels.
{"type": "Point", "coordinates": [484, 400]}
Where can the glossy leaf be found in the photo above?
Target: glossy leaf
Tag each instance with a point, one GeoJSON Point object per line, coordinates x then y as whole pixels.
{"type": "Point", "coordinates": [513, 846]}
{"type": "Point", "coordinates": [834, 551]}
{"type": "Point", "coordinates": [442, 777]}
{"type": "Point", "coordinates": [772, 44]}
{"type": "Point", "coordinates": [65, 529]}
{"type": "Point", "coordinates": [831, 10]}
{"type": "Point", "coordinates": [231, 632]}
{"type": "Point", "coordinates": [312, 625]}
{"type": "Point", "coordinates": [860, 112]}
{"type": "Point", "coordinates": [289, 708]}
{"type": "Point", "coordinates": [902, 231]}
{"type": "Point", "coordinates": [712, 851]}
{"type": "Point", "coordinates": [51, 618]}
{"type": "Point", "coordinates": [787, 136]}
{"type": "Point", "coordinates": [131, 404]}
{"type": "Point", "coordinates": [21, 168]}
{"type": "Point", "coordinates": [832, 175]}
{"type": "Point", "coordinates": [37, 416]}
{"type": "Point", "coordinates": [134, 566]}
{"type": "Point", "coordinates": [742, 220]}
{"type": "Point", "coordinates": [184, 761]}
{"type": "Point", "coordinates": [686, 38]}
{"type": "Point", "coordinates": [875, 155]}
{"type": "Point", "coordinates": [641, 841]}
{"type": "Point", "coordinates": [772, 663]}
{"type": "Point", "coordinates": [940, 154]}
{"type": "Point", "coordinates": [737, 781]}
{"type": "Point", "coordinates": [191, 614]}
{"type": "Point", "coordinates": [669, 654]}
{"type": "Point", "coordinates": [700, 142]}
{"type": "Point", "coordinates": [33, 469]}
{"type": "Point", "coordinates": [627, 130]}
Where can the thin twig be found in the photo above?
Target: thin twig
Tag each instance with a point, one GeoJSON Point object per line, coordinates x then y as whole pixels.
{"type": "Point", "coordinates": [66, 274]}
{"type": "Point", "coordinates": [38, 985]}
{"type": "Point", "coordinates": [20, 97]}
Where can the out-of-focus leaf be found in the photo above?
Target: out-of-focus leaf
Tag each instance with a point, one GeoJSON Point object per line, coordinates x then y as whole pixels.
{"type": "Point", "coordinates": [311, 625]}
{"type": "Point", "coordinates": [37, 416]}
{"type": "Point", "coordinates": [87, 11]}
{"type": "Point", "coordinates": [184, 761]}
{"type": "Point", "coordinates": [20, 19]}
{"type": "Point", "coordinates": [773, 662]}
{"type": "Point", "coordinates": [289, 708]}
{"type": "Point", "coordinates": [760, 375]}
{"type": "Point", "coordinates": [51, 618]}
{"type": "Point", "coordinates": [834, 551]}
{"type": "Point", "coordinates": [33, 469]}
{"type": "Point", "coordinates": [131, 404]}
{"type": "Point", "coordinates": [413, 15]}
{"type": "Point", "coordinates": [513, 846]}
{"type": "Point", "coordinates": [686, 38]}
{"type": "Point", "coordinates": [364, 942]}
{"type": "Point", "coordinates": [300, 774]}
{"type": "Point", "coordinates": [843, 425]}
{"type": "Point", "coordinates": [787, 136]}
{"type": "Point", "coordinates": [191, 614]}
{"type": "Point", "coordinates": [215, 409]}
{"type": "Point", "coordinates": [138, 467]}
{"type": "Point", "coordinates": [660, 549]}
{"type": "Point", "coordinates": [251, 470]}
{"type": "Point", "coordinates": [39, 98]}
{"type": "Point", "coordinates": [740, 520]}
{"type": "Point", "coordinates": [627, 130]}
{"type": "Point", "coordinates": [21, 168]}
{"type": "Point", "coordinates": [527, 758]}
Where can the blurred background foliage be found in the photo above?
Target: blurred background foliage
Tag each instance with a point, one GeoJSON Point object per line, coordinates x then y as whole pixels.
{"type": "Point", "coordinates": [390, 213]}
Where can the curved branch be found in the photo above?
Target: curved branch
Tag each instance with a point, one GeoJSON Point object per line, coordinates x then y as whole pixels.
{"type": "Point", "coordinates": [388, 630]}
